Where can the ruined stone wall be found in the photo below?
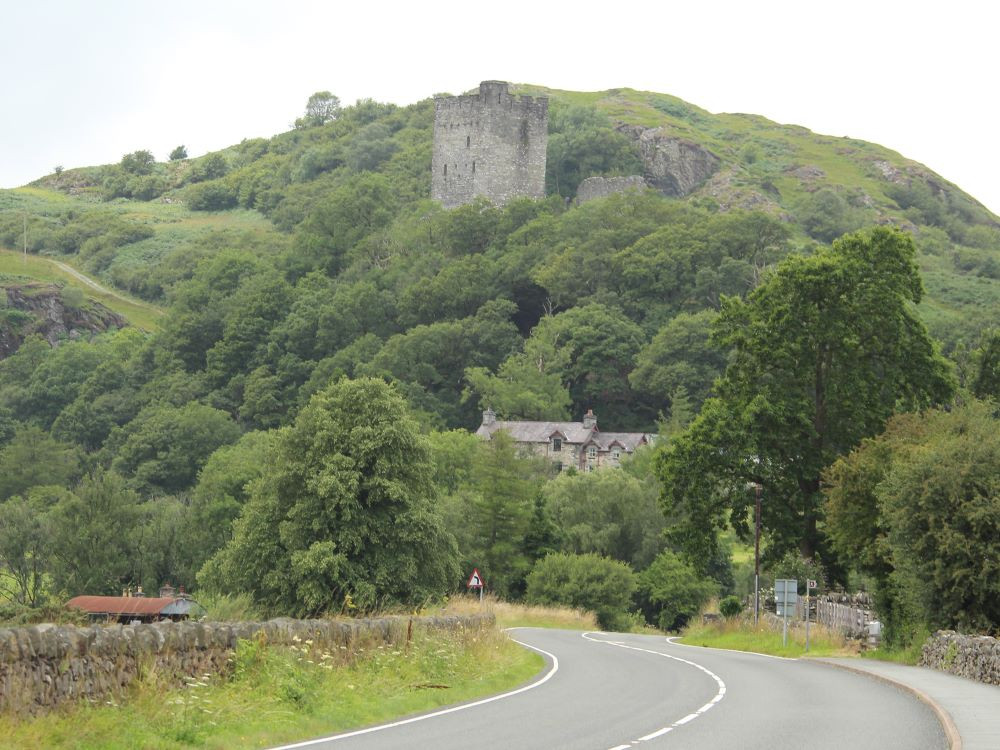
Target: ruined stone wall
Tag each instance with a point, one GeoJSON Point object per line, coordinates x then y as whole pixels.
{"type": "Point", "coordinates": [600, 187]}
{"type": "Point", "coordinates": [974, 656]}
{"type": "Point", "coordinates": [45, 665]}
{"type": "Point", "coordinates": [489, 144]}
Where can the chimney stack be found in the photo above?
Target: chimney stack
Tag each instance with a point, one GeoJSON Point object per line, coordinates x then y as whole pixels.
{"type": "Point", "coordinates": [489, 417]}
{"type": "Point", "coordinates": [589, 420]}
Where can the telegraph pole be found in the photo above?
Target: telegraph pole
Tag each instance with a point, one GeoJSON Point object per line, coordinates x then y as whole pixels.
{"type": "Point", "coordinates": [756, 556]}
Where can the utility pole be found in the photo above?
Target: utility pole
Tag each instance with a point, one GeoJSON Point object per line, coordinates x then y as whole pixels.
{"type": "Point", "coordinates": [756, 556]}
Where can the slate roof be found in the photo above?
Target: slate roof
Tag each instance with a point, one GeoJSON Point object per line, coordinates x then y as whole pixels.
{"type": "Point", "coordinates": [572, 432]}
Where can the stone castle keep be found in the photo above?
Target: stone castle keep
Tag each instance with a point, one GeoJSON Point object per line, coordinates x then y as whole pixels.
{"type": "Point", "coordinates": [490, 144]}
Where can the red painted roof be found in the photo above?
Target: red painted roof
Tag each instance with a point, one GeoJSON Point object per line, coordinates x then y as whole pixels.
{"type": "Point", "coordinates": [121, 605]}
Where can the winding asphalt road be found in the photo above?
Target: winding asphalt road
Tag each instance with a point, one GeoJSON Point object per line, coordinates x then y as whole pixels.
{"type": "Point", "coordinates": [610, 691]}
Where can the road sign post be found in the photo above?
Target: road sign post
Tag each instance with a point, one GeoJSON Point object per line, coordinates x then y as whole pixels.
{"type": "Point", "coordinates": [476, 582]}
{"type": "Point", "coordinates": [756, 555]}
{"type": "Point", "coordinates": [810, 585]}
{"type": "Point", "coordinates": [786, 591]}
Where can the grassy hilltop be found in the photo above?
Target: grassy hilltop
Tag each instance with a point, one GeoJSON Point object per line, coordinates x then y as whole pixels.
{"type": "Point", "coordinates": [137, 230]}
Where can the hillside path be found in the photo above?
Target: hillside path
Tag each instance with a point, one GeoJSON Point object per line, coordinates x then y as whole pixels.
{"type": "Point", "coordinates": [99, 287]}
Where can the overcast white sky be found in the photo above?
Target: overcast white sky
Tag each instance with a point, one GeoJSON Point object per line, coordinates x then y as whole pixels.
{"type": "Point", "coordinates": [85, 82]}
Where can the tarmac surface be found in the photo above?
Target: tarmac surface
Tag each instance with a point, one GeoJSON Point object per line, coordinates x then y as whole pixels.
{"type": "Point", "coordinates": [973, 708]}
{"type": "Point", "coordinates": [614, 691]}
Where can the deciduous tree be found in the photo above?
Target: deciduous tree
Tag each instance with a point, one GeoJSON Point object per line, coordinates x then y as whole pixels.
{"type": "Point", "coordinates": [346, 508]}
{"type": "Point", "coordinates": [823, 353]}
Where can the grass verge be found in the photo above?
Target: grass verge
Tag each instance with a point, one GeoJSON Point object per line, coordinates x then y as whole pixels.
{"type": "Point", "coordinates": [740, 634]}
{"type": "Point", "coordinates": [510, 615]}
{"type": "Point", "coordinates": [901, 655]}
{"type": "Point", "coordinates": [282, 694]}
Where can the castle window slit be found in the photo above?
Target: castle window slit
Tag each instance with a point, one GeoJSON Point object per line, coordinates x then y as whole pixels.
{"type": "Point", "coordinates": [468, 141]}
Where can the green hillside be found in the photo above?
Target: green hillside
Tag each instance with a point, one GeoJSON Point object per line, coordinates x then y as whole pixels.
{"type": "Point", "coordinates": [261, 194]}
{"type": "Point", "coordinates": [282, 264]}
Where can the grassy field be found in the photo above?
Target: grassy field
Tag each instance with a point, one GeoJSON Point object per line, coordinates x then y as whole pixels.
{"type": "Point", "coordinates": [277, 695]}
{"type": "Point", "coordinates": [740, 634]}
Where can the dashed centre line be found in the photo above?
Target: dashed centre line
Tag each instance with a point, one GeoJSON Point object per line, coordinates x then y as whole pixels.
{"type": "Point", "coordinates": [680, 722]}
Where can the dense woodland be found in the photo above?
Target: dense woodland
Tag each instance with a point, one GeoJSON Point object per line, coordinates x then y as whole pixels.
{"type": "Point", "coordinates": [296, 427]}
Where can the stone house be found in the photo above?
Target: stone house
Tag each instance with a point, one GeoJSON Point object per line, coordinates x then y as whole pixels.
{"type": "Point", "coordinates": [577, 444]}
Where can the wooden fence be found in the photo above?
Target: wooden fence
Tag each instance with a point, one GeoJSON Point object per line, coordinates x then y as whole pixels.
{"type": "Point", "coordinates": [850, 618]}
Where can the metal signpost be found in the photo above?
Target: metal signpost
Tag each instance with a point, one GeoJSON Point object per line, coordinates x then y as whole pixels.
{"type": "Point", "coordinates": [476, 582]}
{"type": "Point", "coordinates": [786, 592]}
{"type": "Point", "coordinates": [810, 585]}
{"type": "Point", "coordinates": [756, 555]}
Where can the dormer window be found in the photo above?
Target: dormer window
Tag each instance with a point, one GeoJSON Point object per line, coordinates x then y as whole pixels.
{"type": "Point", "coordinates": [591, 452]}
{"type": "Point", "coordinates": [616, 453]}
{"type": "Point", "coordinates": [556, 445]}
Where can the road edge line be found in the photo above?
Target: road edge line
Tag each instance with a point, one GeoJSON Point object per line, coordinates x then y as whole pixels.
{"type": "Point", "coordinates": [951, 732]}
{"type": "Point", "coordinates": [553, 663]}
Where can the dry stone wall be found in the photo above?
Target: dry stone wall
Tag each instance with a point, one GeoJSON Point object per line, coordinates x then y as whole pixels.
{"type": "Point", "coordinates": [45, 665]}
{"type": "Point", "coordinates": [601, 187]}
{"type": "Point", "coordinates": [974, 656]}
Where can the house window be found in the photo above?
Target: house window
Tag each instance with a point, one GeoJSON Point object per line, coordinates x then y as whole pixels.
{"type": "Point", "coordinates": [591, 452]}
{"type": "Point", "coordinates": [468, 141]}
{"type": "Point", "coordinates": [616, 453]}
{"type": "Point", "coordinates": [556, 445]}
{"type": "Point", "coordinates": [558, 465]}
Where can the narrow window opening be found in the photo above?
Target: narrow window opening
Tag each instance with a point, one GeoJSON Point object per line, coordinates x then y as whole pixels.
{"type": "Point", "coordinates": [445, 170]}
{"type": "Point", "coordinates": [468, 141]}
{"type": "Point", "coordinates": [473, 167]}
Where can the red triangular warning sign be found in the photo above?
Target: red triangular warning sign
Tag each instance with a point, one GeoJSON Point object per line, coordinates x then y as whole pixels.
{"type": "Point", "coordinates": [475, 580]}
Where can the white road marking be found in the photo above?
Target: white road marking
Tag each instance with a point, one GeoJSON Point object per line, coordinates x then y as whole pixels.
{"type": "Point", "coordinates": [654, 735]}
{"type": "Point", "coordinates": [720, 694]}
{"type": "Point", "coordinates": [548, 675]}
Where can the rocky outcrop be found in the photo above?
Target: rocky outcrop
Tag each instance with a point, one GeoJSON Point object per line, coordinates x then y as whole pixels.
{"type": "Point", "coordinates": [974, 656]}
{"type": "Point", "coordinates": [601, 187]}
{"type": "Point", "coordinates": [674, 166]}
{"type": "Point", "coordinates": [726, 188]}
{"type": "Point", "coordinates": [45, 665]}
{"type": "Point", "coordinates": [50, 311]}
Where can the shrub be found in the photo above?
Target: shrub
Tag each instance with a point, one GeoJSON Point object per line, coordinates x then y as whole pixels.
{"type": "Point", "coordinates": [731, 606]}
{"type": "Point", "coordinates": [599, 584]}
{"type": "Point", "coordinates": [210, 196]}
{"type": "Point", "coordinates": [671, 591]}
{"type": "Point", "coordinates": [799, 568]}
{"type": "Point", "coordinates": [72, 297]}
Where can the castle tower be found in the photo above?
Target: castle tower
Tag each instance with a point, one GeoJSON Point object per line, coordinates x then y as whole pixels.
{"type": "Point", "coordinates": [490, 144]}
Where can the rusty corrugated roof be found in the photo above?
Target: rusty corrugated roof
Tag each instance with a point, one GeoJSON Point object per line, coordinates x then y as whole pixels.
{"type": "Point", "coordinates": [121, 605]}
